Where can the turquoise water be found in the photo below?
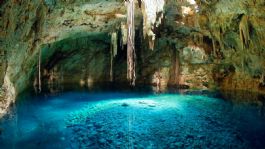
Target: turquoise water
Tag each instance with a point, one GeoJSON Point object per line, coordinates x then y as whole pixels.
{"type": "Point", "coordinates": [133, 119]}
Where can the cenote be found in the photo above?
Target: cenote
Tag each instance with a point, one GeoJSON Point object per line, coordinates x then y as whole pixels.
{"type": "Point", "coordinates": [132, 74]}
{"type": "Point", "coordinates": [138, 118]}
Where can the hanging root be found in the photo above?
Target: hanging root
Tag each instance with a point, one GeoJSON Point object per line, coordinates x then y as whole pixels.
{"type": "Point", "coordinates": [152, 17]}
{"type": "Point", "coordinates": [131, 56]}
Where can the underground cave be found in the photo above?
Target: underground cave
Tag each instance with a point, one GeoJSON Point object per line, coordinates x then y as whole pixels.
{"type": "Point", "coordinates": [132, 74]}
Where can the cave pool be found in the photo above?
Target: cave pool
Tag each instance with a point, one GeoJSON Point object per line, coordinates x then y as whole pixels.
{"type": "Point", "coordinates": [132, 119]}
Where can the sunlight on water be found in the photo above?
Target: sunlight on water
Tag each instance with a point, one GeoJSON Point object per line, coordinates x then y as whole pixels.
{"type": "Point", "coordinates": [131, 120]}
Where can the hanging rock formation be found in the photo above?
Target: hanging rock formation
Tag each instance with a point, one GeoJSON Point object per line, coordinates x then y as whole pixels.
{"type": "Point", "coordinates": [198, 44]}
{"type": "Point", "coordinates": [152, 17]}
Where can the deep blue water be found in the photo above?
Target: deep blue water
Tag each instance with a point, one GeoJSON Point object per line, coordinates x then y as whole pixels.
{"type": "Point", "coordinates": [134, 119]}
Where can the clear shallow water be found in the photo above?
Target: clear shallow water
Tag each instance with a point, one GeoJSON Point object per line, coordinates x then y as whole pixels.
{"type": "Point", "coordinates": [132, 119]}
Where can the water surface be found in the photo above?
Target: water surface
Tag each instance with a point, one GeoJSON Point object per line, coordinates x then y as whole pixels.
{"type": "Point", "coordinates": [134, 119]}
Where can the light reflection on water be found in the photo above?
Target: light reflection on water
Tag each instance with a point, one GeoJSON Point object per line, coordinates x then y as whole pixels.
{"type": "Point", "coordinates": [133, 119]}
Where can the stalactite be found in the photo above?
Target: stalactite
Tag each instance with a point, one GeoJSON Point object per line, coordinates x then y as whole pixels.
{"type": "Point", "coordinates": [217, 35]}
{"type": "Point", "coordinates": [220, 39]}
{"type": "Point", "coordinates": [114, 43]}
{"type": "Point", "coordinates": [111, 67]}
{"type": "Point", "coordinates": [244, 32]}
{"type": "Point", "coordinates": [113, 52]}
{"type": "Point", "coordinates": [39, 67]}
{"type": "Point", "coordinates": [124, 34]}
{"type": "Point", "coordinates": [131, 56]}
{"type": "Point", "coordinates": [214, 48]}
{"type": "Point", "coordinates": [152, 17]}
{"type": "Point", "coordinates": [197, 24]}
{"type": "Point", "coordinates": [262, 79]}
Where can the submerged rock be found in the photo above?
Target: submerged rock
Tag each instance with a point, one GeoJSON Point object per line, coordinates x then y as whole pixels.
{"type": "Point", "coordinates": [102, 140]}
{"type": "Point", "coordinates": [125, 105]}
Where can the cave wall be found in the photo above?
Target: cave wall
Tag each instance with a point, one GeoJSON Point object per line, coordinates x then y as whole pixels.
{"type": "Point", "coordinates": [214, 45]}
{"type": "Point", "coordinates": [220, 44]}
{"type": "Point", "coordinates": [80, 60]}
{"type": "Point", "coordinates": [27, 26]}
{"type": "Point", "coordinates": [236, 29]}
{"type": "Point", "coordinates": [21, 26]}
{"type": "Point", "coordinates": [3, 65]}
